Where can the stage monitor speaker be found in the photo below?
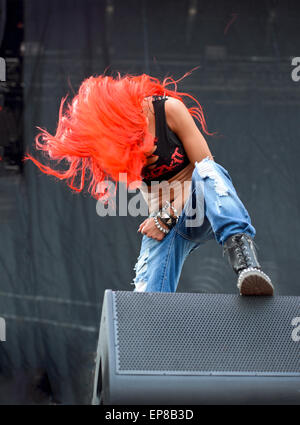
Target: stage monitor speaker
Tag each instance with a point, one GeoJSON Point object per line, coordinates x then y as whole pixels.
{"type": "Point", "coordinates": [192, 348]}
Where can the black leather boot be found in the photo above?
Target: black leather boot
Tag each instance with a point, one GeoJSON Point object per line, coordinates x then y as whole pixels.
{"type": "Point", "coordinates": [243, 258]}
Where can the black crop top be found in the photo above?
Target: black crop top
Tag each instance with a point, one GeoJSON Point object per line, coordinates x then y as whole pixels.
{"type": "Point", "coordinates": [172, 157]}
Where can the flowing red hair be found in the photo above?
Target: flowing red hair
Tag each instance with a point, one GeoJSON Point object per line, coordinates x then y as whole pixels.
{"type": "Point", "coordinates": [104, 131]}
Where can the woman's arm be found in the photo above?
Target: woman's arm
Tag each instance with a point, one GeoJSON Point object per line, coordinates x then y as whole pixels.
{"type": "Point", "coordinates": [182, 123]}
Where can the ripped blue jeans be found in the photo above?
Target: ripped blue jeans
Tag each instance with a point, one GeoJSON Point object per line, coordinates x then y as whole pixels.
{"type": "Point", "coordinates": [212, 211]}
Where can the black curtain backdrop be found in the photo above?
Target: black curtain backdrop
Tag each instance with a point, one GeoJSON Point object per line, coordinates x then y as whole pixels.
{"type": "Point", "coordinates": [57, 255]}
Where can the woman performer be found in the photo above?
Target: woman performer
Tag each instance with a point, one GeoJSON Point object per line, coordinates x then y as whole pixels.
{"type": "Point", "coordinates": [138, 127]}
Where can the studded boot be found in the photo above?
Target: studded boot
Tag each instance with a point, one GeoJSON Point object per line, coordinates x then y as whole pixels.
{"type": "Point", "coordinates": [243, 258]}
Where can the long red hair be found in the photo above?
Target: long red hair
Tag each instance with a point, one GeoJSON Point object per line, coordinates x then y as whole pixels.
{"type": "Point", "coordinates": [104, 132]}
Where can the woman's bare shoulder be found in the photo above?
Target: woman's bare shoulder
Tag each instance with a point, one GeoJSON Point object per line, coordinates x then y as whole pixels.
{"type": "Point", "coordinates": [175, 110]}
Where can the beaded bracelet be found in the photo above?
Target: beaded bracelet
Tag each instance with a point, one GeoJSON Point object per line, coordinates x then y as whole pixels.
{"type": "Point", "coordinates": [166, 231]}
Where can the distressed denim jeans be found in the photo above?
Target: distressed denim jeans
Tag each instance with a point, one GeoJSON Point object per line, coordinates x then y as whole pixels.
{"type": "Point", "coordinates": [212, 211]}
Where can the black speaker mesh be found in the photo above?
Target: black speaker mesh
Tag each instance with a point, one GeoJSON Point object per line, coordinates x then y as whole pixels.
{"type": "Point", "coordinates": [192, 333]}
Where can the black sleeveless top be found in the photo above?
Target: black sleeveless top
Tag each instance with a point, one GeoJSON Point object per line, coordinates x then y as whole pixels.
{"type": "Point", "coordinates": [172, 157]}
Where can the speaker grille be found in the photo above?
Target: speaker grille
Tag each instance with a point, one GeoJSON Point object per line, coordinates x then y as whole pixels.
{"type": "Point", "coordinates": [188, 333]}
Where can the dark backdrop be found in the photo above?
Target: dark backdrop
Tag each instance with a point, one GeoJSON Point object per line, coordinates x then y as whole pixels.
{"type": "Point", "coordinates": [57, 256]}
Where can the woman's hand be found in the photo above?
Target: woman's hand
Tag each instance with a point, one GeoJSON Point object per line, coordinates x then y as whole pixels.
{"type": "Point", "coordinates": [148, 228]}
